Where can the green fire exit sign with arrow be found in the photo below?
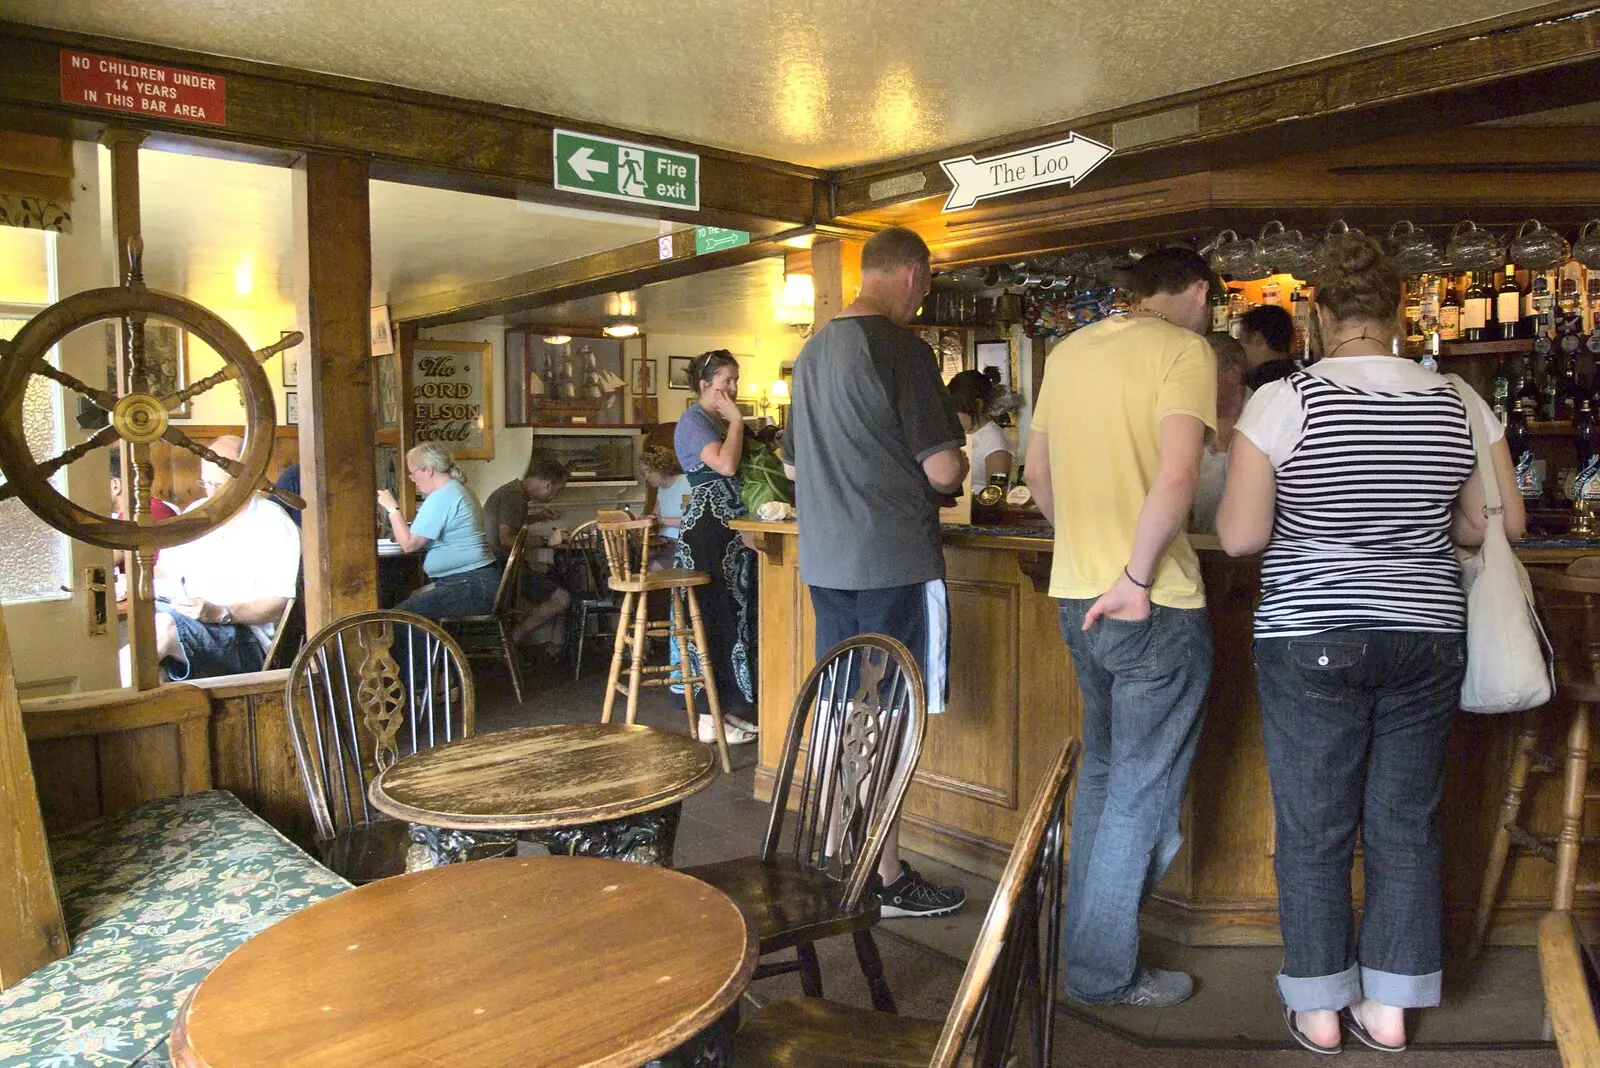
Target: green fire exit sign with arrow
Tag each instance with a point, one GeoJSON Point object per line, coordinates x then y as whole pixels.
{"type": "Point", "coordinates": [621, 170]}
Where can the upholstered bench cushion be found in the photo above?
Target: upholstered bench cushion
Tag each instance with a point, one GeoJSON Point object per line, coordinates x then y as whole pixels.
{"type": "Point", "coordinates": [154, 898]}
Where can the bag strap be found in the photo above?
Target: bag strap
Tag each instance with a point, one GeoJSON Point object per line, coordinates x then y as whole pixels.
{"type": "Point", "coordinates": [1480, 445]}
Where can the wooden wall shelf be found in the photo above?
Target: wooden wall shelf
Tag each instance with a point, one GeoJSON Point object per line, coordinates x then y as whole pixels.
{"type": "Point", "coordinates": [1485, 348]}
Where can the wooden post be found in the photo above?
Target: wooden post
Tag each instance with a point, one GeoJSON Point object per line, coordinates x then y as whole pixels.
{"type": "Point", "coordinates": [835, 277]}
{"type": "Point", "coordinates": [32, 933]}
{"type": "Point", "coordinates": [146, 669]}
{"type": "Point", "coordinates": [337, 466]}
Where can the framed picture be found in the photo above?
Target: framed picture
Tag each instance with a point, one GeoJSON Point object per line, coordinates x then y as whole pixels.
{"type": "Point", "coordinates": [291, 408]}
{"type": "Point", "coordinates": [642, 376]}
{"type": "Point", "coordinates": [166, 360]}
{"type": "Point", "coordinates": [678, 373]}
{"type": "Point", "coordinates": [289, 364]}
{"type": "Point", "coordinates": [386, 392]}
{"type": "Point", "coordinates": [567, 377]}
{"type": "Point", "coordinates": [382, 335]}
{"type": "Point", "coordinates": [452, 386]}
{"type": "Point", "coordinates": [995, 355]}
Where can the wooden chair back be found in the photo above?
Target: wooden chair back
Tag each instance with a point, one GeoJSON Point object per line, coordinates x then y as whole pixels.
{"type": "Point", "coordinates": [1569, 600]}
{"type": "Point", "coordinates": [288, 636]}
{"type": "Point", "coordinates": [509, 593]}
{"type": "Point", "coordinates": [1571, 988]}
{"type": "Point", "coordinates": [1015, 959]}
{"type": "Point", "coordinates": [860, 718]}
{"type": "Point", "coordinates": [365, 691]}
{"type": "Point", "coordinates": [585, 547]}
{"type": "Point", "coordinates": [627, 545]}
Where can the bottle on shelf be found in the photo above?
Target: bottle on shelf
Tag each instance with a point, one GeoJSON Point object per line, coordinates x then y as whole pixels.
{"type": "Point", "coordinates": [1237, 306]}
{"type": "Point", "coordinates": [1449, 314]}
{"type": "Point", "coordinates": [1526, 398]}
{"type": "Point", "coordinates": [1300, 312]}
{"type": "Point", "coordinates": [1475, 310]}
{"type": "Point", "coordinates": [1550, 391]}
{"type": "Point", "coordinates": [1585, 492]}
{"type": "Point", "coordinates": [1508, 305]}
{"type": "Point", "coordinates": [1529, 483]}
{"type": "Point", "coordinates": [1500, 388]}
{"type": "Point", "coordinates": [1412, 301]}
{"type": "Point", "coordinates": [1219, 312]}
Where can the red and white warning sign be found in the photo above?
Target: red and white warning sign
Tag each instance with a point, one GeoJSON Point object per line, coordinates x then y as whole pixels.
{"type": "Point", "coordinates": [143, 88]}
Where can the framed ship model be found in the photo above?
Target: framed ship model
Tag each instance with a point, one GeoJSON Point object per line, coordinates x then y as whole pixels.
{"type": "Point", "coordinates": [569, 378]}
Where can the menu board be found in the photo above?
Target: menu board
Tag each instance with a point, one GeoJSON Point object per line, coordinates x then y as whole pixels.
{"type": "Point", "coordinates": [451, 390]}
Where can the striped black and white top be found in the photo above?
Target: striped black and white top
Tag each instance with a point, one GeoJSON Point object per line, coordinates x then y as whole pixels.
{"type": "Point", "coordinates": [1365, 493]}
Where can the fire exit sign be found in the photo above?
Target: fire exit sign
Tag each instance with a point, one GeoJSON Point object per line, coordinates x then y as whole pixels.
{"type": "Point", "coordinates": [621, 170]}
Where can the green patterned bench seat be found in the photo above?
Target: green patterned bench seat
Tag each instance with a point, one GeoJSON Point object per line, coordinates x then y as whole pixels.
{"type": "Point", "coordinates": [154, 898]}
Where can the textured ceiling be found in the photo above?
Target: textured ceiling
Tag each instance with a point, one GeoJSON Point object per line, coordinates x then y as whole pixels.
{"type": "Point", "coordinates": [818, 82]}
{"type": "Point", "coordinates": [204, 217]}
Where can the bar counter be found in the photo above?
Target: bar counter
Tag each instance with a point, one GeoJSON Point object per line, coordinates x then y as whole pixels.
{"type": "Point", "coordinates": [1014, 701]}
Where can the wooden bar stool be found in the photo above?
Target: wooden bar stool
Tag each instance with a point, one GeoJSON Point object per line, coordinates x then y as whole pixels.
{"type": "Point", "coordinates": [1570, 601]}
{"type": "Point", "coordinates": [627, 546]}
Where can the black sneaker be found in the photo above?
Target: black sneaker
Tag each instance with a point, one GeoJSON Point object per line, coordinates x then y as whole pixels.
{"type": "Point", "coordinates": [912, 895]}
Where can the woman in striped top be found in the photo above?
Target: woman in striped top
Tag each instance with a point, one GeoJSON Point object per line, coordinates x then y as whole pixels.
{"type": "Point", "coordinates": [1353, 476]}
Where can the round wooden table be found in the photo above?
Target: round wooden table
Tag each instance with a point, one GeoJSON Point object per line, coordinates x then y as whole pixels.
{"type": "Point", "coordinates": [522, 961]}
{"type": "Point", "coordinates": [581, 789]}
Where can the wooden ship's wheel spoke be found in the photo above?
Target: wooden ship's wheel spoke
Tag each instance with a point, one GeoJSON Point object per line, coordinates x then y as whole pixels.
{"type": "Point", "coordinates": [104, 398]}
{"type": "Point", "coordinates": [47, 468]}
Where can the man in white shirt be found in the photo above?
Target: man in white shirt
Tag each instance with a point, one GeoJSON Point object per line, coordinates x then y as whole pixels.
{"type": "Point", "coordinates": [220, 596]}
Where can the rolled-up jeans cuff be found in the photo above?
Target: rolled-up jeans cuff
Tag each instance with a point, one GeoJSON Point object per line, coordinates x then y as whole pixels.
{"type": "Point", "coordinates": [1402, 991]}
{"type": "Point", "coordinates": [1321, 991]}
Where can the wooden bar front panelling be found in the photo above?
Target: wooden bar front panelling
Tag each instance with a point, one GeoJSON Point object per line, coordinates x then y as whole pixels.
{"type": "Point", "coordinates": [1014, 702]}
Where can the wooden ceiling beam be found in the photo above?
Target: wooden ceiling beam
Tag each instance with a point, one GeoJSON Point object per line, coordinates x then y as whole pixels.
{"type": "Point", "coordinates": [404, 134]}
{"type": "Point", "coordinates": [613, 271]}
{"type": "Point", "coordinates": [1515, 64]}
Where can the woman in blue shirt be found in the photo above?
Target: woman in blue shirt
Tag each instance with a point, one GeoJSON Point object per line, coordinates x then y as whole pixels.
{"type": "Point", "coordinates": [709, 441]}
{"type": "Point", "coordinates": [449, 524]}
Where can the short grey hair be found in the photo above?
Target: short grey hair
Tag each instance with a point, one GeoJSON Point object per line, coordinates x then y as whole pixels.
{"type": "Point", "coordinates": [432, 456]}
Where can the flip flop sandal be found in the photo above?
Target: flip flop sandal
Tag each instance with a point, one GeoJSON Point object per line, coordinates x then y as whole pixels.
{"type": "Point", "coordinates": [1348, 1015]}
{"type": "Point", "coordinates": [1300, 1036]}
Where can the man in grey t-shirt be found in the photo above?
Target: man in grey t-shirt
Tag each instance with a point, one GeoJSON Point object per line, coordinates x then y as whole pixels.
{"type": "Point", "coordinates": [505, 512]}
{"type": "Point", "coordinates": [872, 443]}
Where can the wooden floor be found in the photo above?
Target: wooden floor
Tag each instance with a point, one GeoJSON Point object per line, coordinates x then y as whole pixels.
{"type": "Point", "coordinates": [1491, 1021]}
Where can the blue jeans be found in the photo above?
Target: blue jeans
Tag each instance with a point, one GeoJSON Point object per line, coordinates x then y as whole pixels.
{"type": "Point", "coordinates": [1355, 724]}
{"type": "Point", "coordinates": [1144, 686]}
{"type": "Point", "coordinates": [470, 593]}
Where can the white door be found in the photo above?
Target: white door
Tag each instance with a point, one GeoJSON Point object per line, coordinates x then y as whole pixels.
{"type": "Point", "coordinates": [63, 633]}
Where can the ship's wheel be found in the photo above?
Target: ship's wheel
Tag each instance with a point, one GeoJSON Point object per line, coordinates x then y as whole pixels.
{"type": "Point", "coordinates": [134, 416]}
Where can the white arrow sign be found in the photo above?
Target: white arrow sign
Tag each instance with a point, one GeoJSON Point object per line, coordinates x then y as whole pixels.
{"type": "Point", "coordinates": [586, 166]}
{"type": "Point", "coordinates": [1029, 168]}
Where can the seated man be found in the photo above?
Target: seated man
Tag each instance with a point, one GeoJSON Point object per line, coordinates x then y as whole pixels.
{"type": "Point", "coordinates": [506, 511]}
{"type": "Point", "coordinates": [220, 596]}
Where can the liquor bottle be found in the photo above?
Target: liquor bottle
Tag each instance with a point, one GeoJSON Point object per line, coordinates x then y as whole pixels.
{"type": "Point", "coordinates": [1526, 395]}
{"type": "Point", "coordinates": [1586, 483]}
{"type": "Point", "coordinates": [1300, 311]}
{"type": "Point", "coordinates": [1412, 300]}
{"type": "Point", "coordinates": [1550, 391]}
{"type": "Point", "coordinates": [1475, 310]}
{"type": "Point", "coordinates": [1236, 309]}
{"type": "Point", "coordinates": [1500, 388]}
{"type": "Point", "coordinates": [1508, 305]}
{"type": "Point", "coordinates": [1520, 442]}
{"type": "Point", "coordinates": [1449, 314]}
{"type": "Point", "coordinates": [1219, 312]}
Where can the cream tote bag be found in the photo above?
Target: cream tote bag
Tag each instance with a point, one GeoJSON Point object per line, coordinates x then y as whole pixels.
{"type": "Point", "coordinates": [1508, 652]}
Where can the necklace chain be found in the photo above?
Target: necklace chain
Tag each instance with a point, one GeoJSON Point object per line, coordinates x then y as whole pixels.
{"type": "Point", "coordinates": [1359, 337]}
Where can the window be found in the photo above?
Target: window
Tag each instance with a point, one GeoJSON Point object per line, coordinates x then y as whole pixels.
{"type": "Point", "coordinates": [34, 557]}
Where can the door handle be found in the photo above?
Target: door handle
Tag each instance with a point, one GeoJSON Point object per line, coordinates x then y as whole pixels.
{"type": "Point", "coordinates": [94, 584]}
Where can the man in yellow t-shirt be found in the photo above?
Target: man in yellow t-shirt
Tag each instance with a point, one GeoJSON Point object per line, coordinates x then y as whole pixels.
{"type": "Point", "coordinates": [1113, 456]}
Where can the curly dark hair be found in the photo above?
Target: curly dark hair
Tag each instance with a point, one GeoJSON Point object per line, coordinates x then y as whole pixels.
{"type": "Point", "coordinates": [973, 392]}
{"type": "Point", "coordinates": [704, 367]}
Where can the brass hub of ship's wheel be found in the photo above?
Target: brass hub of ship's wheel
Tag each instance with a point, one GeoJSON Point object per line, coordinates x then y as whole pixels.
{"type": "Point", "coordinates": [140, 418]}
{"type": "Point", "coordinates": [135, 415]}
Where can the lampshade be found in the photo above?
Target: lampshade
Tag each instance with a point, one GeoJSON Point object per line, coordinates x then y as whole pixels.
{"type": "Point", "coordinates": [780, 390]}
{"type": "Point", "coordinates": [795, 303]}
{"type": "Point", "coordinates": [621, 330]}
{"type": "Point", "coordinates": [558, 339]}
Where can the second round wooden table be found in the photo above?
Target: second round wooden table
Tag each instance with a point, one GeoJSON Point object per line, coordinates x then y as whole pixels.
{"type": "Point", "coordinates": [584, 789]}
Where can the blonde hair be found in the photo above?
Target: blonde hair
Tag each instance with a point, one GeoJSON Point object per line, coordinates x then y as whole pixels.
{"type": "Point", "coordinates": [434, 457]}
